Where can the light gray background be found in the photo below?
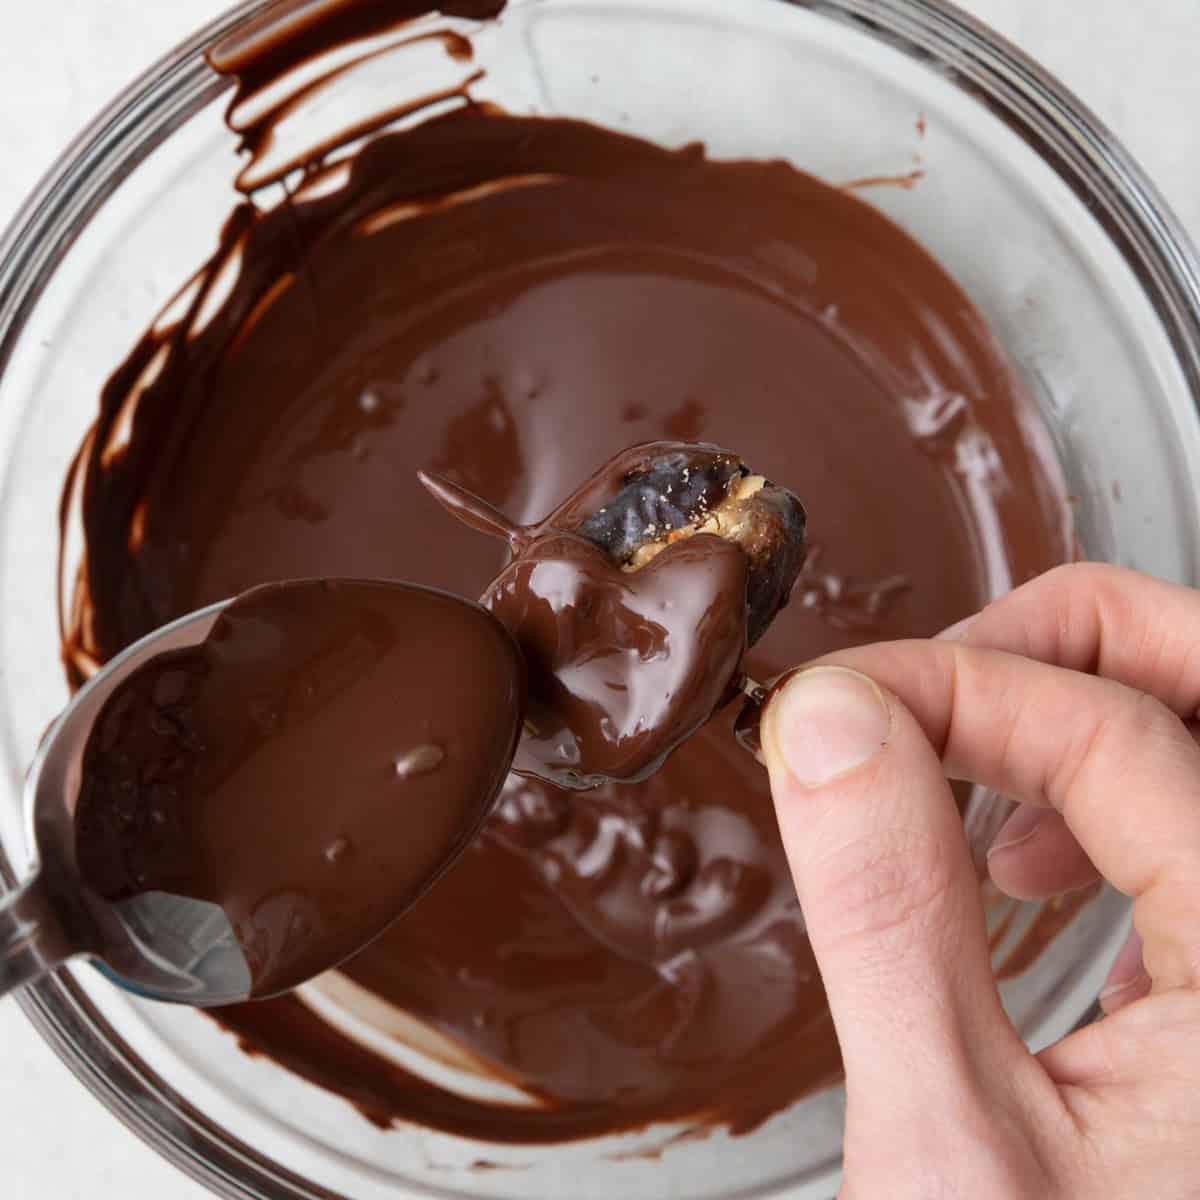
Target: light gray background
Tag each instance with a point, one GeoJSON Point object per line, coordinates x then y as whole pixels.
{"type": "Point", "coordinates": [61, 60]}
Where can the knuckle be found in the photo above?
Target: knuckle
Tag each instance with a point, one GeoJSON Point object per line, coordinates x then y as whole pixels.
{"type": "Point", "coordinates": [887, 890]}
{"type": "Point", "coordinates": [1154, 719]}
{"type": "Point", "coordinates": [1175, 962]}
{"type": "Point", "coordinates": [1086, 576]}
{"type": "Point", "coordinates": [1138, 723]}
{"type": "Point", "coordinates": [1138, 726]}
{"type": "Point", "coordinates": [1145, 726]}
{"type": "Point", "coordinates": [1070, 585]}
{"type": "Point", "coordinates": [1079, 592]}
{"type": "Point", "coordinates": [1068, 575]}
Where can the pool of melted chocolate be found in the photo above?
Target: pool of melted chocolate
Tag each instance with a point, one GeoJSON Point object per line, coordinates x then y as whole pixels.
{"type": "Point", "coordinates": [507, 301]}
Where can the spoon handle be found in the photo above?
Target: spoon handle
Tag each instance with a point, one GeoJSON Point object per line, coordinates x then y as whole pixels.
{"type": "Point", "coordinates": [31, 942]}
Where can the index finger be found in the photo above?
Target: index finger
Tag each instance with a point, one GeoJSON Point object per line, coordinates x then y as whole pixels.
{"type": "Point", "coordinates": [1103, 620]}
{"type": "Point", "coordinates": [1120, 766]}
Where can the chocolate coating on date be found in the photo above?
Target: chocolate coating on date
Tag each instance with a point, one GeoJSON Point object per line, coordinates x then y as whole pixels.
{"type": "Point", "coordinates": [634, 623]}
{"type": "Point", "coordinates": [623, 665]}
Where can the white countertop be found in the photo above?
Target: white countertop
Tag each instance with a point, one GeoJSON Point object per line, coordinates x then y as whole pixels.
{"type": "Point", "coordinates": [61, 60]}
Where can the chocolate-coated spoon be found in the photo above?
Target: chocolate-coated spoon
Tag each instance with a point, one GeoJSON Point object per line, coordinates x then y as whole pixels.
{"type": "Point", "coordinates": [251, 794]}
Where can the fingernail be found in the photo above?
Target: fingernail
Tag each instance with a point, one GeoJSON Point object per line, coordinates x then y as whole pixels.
{"type": "Point", "coordinates": [1019, 828]}
{"type": "Point", "coordinates": [958, 631]}
{"type": "Point", "coordinates": [826, 722]}
{"type": "Point", "coordinates": [1126, 968]}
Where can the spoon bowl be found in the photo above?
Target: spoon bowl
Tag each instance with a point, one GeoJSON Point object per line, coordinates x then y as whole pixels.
{"type": "Point", "coordinates": [305, 648]}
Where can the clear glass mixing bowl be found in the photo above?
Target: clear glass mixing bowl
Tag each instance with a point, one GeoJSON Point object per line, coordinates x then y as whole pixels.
{"type": "Point", "coordinates": [1052, 230]}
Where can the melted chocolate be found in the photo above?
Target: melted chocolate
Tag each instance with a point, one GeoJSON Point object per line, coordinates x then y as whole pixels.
{"type": "Point", "coordinates": [312, 767]}
{"type": "Point", "coordinates": [505, 301]}
{"type": "Point", "coordinates": [623, 667]}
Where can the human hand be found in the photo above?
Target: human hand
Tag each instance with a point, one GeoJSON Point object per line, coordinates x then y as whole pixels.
{"type": "Point", "coordinates": [1070, 695]}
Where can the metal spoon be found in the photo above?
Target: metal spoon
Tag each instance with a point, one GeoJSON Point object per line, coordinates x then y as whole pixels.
{"type": "Point", "coordinates": [156, 945]}
{"type": "Point", "coordinates": [177, 948]}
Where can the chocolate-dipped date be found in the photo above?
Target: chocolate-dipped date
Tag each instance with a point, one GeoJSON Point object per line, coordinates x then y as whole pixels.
{"type": "Point", "coordinates": [633, 620]}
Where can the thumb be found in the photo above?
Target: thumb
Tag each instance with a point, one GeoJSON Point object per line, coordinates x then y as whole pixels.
{"type": "Point", "coordinates": [885, 880]}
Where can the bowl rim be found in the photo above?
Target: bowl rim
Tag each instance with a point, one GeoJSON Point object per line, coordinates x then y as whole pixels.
{"type": "Point", "coordinates": [1042, 112]}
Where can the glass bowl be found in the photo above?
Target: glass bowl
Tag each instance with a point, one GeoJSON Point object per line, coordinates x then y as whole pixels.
{"type": "Point", "coordinates": [1069, 253]}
